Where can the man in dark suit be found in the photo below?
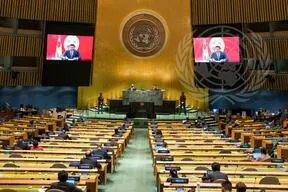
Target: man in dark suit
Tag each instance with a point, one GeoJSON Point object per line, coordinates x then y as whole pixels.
{"type": "Point", "coordinates": [218, 55]}
{"type": "Point", "coordinates": [100, 103]}
{"type": "Point", "coordinates": [100, 152]}
{"type": "Point", "coordinates": [63, 184]}
{"type": "Point", "coordinates": [72, 54]}
{"type": "Point", "coordinates": [88, 160]}
{"type": "Point", "coordinates": [182, 103]}
{"type": "Point", "coordinates": [216, 174]}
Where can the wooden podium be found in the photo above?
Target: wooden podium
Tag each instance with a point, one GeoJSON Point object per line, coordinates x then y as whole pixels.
{"type": "Point", "coordinates": [143, 104]}
{"type": "Point", "coordinates": [141, 109]}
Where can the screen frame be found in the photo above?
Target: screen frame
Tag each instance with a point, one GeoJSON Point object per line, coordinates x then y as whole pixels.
{"type": "Point", "coordinates": [66, 34]}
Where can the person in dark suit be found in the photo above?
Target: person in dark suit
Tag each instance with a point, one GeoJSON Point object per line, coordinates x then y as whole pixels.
{"type": "Point", "coordinates": [63, 135]}
{"type": "Point", "coordinates": [218, 55]}
{"type": "Point", "coordinates": [100, 103]}
{"type": "Point", "coordinates": [183, 103]}
{"type": "Point", "coordinates": [88, 160]}
{"type": "Point", "coordinates": [217, 175]}
{"type": "Point", "coordinates": [72, 53]}
{"type": "Point", "coordinates": [21, 145]}
{"type": "Point", "coordinates": [63, 184]}
{"type": "Point", "coordinates": [117, 133]}
{"type": "Point", "coordinates": [173, 175]}
{"type": "Point", "coordinates": [100, 152]}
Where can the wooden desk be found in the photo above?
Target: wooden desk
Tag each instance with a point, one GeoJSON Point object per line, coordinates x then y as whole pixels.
{"type": "Point", "coordinates": [35, 185]}
{"type": "Point", "coordinates": [212, 186]}
{"type": "Point", "coordinates": [7, 140]}
{"type": "Point", "coordinates": [34, 174]}
{"type": "Point", "coordinates": [282, 151]}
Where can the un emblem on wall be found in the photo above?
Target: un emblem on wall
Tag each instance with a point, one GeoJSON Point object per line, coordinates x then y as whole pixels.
{"type": "Point", "coordinates": [143, 35]}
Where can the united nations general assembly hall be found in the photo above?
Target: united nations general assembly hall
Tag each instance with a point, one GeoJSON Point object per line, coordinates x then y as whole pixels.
{"type": "Point", "coordinates": [143, 95]}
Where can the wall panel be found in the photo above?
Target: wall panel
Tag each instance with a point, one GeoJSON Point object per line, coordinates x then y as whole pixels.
{"type": "Point", "coordinates": [20, 46]}
{"type": "Point", "coordinates": [23, 78]}
{"type": "Point", "coordinates": [279, 82]}
{"type": "Point", "coordinates": [83, 11]}
{"type": "Point", "coordinates": [238, 11]}
{"type": "Point", "coordinates": [280, 48]}
{"type": "Point", "coordinates": [58, 10]}
{"type": "Point", "coordinates": [7, 44]}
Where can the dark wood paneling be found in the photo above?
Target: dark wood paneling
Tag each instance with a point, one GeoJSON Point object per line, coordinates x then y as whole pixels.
{"type": "Point", "coordinates": [279, 82]}
{"type": "Point", "coordinates": [23, 78]}
{"type": "Point", "coordinates": [238, 11]}
{"type": "Point", "coordinates": [12, 45]}
{"type": "Point", "coordinates": [82, 11]}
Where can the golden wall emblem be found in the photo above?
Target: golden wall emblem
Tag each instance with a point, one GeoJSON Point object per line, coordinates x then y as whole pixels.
{"type": "Point", "coordinates": [143, 35]}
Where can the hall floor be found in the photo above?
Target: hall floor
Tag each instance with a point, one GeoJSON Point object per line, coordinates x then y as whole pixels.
{"type": "Point", "coordinates": [134, 173]}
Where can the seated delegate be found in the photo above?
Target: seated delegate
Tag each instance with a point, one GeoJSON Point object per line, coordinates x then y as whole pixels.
{"type": "Point", "coordinates": [216, 173]}
{"type": "Point", "coordinates": [89, 160]}
{"type": "Point", "coordinates": [63, 184]}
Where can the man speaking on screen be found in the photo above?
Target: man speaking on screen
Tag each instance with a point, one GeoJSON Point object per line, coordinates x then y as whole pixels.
{"type": "Point", "coordinates": [71, 54]}
{"type": "Point", "coordinates": [218, 55]}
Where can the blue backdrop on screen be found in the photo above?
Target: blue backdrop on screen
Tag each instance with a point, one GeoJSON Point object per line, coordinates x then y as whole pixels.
{"type": "Point", "coordinates": [42, 97]}
{"type": "Point", "coordinates": [271, 100]}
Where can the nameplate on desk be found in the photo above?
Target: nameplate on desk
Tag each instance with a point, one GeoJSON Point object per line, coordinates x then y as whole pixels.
{"type": "Point", "coordinates": [268, 136]}
{"type": "Point", "coordinates": [75, 178]}
{"type": "Point", "coordinates": [85, 166]}
{"type": "Point", "coordinates": [50, 133]}
{"type": "Point", "coordinates": [165, 159]}
{"type": "Point", "coordinates": [109, 144]}
{"type": "Point", "coordinates": [179, 180]}
{"type": "Point", "coordinates": [74, 164]}
{"type": "Point", "coordinates": [274, 160]}
{"type": "Point", "coordinates": [244, 146]}
{"type": "Point", "coordinates": [163, 151]}
{"type": "Point", "coordinates": [168, 168]}
{"type": "Point", "coordinates": [96, 157]}
{"type": "Point", "coordinates": [234, 141]}
{"type": "Point", "coordinates": [159, 140]}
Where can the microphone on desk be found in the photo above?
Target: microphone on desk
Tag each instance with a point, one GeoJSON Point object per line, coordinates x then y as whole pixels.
{"type": "Point", "coordinates": [255, 181]}
{"type": "Point", "coordinates": [222, 159]}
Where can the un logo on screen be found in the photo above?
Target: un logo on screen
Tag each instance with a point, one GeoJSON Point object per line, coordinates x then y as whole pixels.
{"type": "Point", "coordinates": [218, 62]}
